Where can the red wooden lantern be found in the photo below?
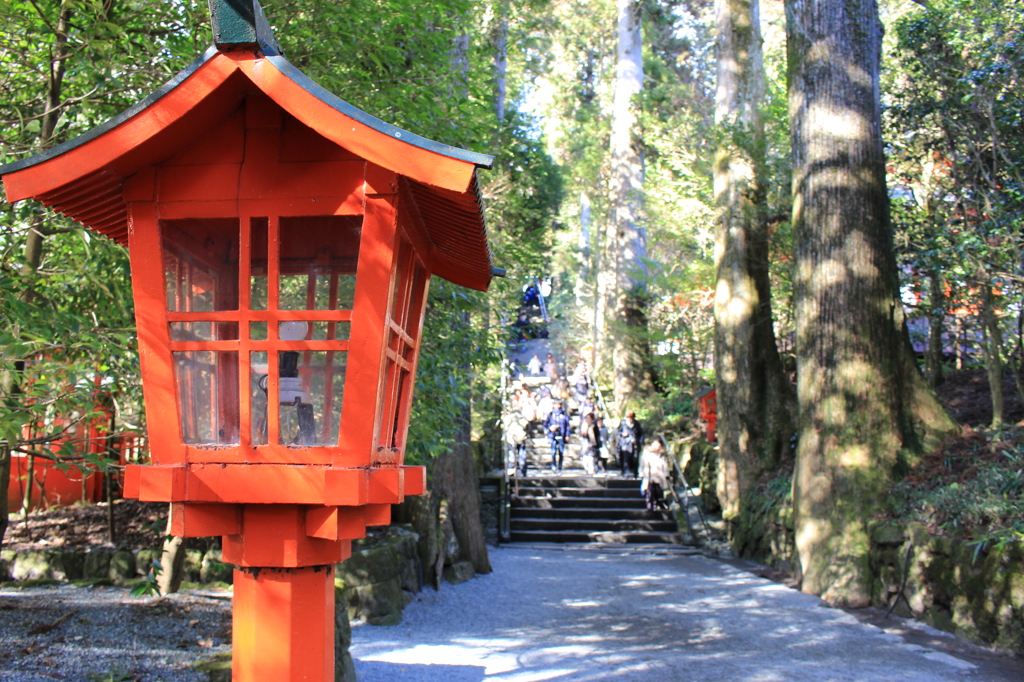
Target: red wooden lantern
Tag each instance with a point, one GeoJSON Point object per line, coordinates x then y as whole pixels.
{"type": "Point", "coordinates": [281, 246]}
{"type": "Point", "coordinates": [707, 404]}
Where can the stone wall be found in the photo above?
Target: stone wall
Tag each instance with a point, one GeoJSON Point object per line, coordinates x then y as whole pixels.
{"type": "Point", "coordinates": [381, 577]}
{"type": "Point", "coordinates": [116, 566]}
{"type": "Point", "coordinates": [763, 532]}
{"type": "Point", "coordinates": [977, 593]}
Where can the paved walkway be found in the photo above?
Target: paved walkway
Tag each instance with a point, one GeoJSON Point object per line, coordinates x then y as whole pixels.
{"type": "Point", "coordinates": [579, 614]}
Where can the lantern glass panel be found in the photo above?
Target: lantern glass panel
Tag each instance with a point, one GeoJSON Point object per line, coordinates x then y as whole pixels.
{"type": "Point", "coordinates": [258, 396]}
{"type": "Point", "coordinates": [318, 262]}
{"type": "Point", "coordinates": [258, 330]}
{"type": "Point", "coordinates": [200, 264]}
{"type": "Point", "coordinates": [207, 396]}
{"type": "Point", "coordinates": [204, 330]}
{"type": "Point", "coordinates": [311, 389]}
{"type": "Point", "coordinates": [258, 238]}
{"type": "Point", "coordinates": [335, 331]}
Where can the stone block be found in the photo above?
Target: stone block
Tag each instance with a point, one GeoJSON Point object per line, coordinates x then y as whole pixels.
{"type": "Point", "coordinates": [212, 569]}
{"type": "Point", "coordinates": [217, 668]}
{"type": "Point", "coordinates": [941, 618]}
{"type": "Point", "coordinates": [72, 562]}
{"type": "Point", "coordinates": [405, 541]}
{"type": "Point", "coordinates": [941, 579]}
{"type": "Point", "coordinates": [32, 566]}
{"type": "Point", "coordinates": [942, 546]}
{"type": "Point", "coordinates": [888, 534]}
{"type": "Point", "coordinates": [122, 567]}
{"type": "Point", "coordinates": [370, 566]}
{"type": "Point", "coordinates": [889, 576]}
{"type": "Point", "coordinates": [410, 577]}
{"type": "Point", "coordinates": [7, 557]}
{"type": "Point", "coordinates": [459, 572]}
{"type": "Point", "coordinates": [97, 563]}
{"type": "Point", "coordinates": [377, 604]}
{"type": "Point", "coordinates": [144, 559]}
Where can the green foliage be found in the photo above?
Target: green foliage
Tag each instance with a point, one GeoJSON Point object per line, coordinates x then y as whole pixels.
{"type": "Point", "coordinates": [985, 504]}
{"type": "Point", "coordinates": [68, 337]}
{"type": "Point", "coordinates": [395, 59]}
{"type": "Point", "coordinates": [457, 345]}
{"type": "Point", "coordinates": [954, 120]}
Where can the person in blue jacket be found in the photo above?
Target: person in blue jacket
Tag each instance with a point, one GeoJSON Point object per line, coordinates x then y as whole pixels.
{"type": "Point", "coordinates": [556, 426]}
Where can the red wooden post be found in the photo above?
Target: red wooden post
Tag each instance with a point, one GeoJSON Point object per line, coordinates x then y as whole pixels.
{"type": "Point", "coordinates": [281, 246]}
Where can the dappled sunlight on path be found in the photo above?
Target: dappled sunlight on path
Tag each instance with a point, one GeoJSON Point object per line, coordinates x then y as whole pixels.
{"type": "Point", "coordinates": [576, 614]}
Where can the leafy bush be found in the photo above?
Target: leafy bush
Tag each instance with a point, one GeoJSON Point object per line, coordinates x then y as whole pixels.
{"type": "Point", "coordinates": [972, 489]}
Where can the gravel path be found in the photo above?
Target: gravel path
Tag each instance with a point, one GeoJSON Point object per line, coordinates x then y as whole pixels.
{"type": "Point", "coordinates": [83, 634]}
{"type": "Point", "coordinates": [544, 614]}
{"type": "Point", "coordinates": [555, 614]}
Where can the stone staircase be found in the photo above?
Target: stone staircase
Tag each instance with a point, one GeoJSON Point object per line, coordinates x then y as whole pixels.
{"type": "Point", "coordinates": [574, 507]}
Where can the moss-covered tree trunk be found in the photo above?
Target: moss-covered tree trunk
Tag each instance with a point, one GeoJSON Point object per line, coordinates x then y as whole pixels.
{"type": "Point", "coordinates": [863, 404]}
{"type": "Point", "coordinates": [455, 479]}
{"type": "Point", "coordinates": [756, 407]}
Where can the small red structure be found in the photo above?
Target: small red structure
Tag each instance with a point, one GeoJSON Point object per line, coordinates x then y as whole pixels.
{"type": "Point", "coordinates": [708, 406]}
{"type": "Point", "coordinates": [281, 246]}
{"type": "Point", "coordinates": [53, 487]}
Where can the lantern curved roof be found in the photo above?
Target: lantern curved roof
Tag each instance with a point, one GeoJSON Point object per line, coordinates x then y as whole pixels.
{"type": "Point", "coordinates": [83, 178]}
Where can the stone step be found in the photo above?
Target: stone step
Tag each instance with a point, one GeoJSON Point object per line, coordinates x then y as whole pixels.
{"type": "Point", "coordinates": [611, 537]}
{"type": "Point", "coordinates": [652, 525]}
{"type": "Point", "coordinates": [640, 514]}
{"type": "Point", "coordinates": [542, 491]}
{"type": "Point", "coordinates": [624, 504]}
{"type": "Point", "coordinates": [582, 482]}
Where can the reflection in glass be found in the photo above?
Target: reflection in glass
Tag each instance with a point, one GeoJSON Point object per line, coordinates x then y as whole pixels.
{"type": "Point", "coordinates": [258, 396]}
{"type": "Point", "coordinates": [311, 390]}
{"type": "Point", "coordinates": [204, 331]}
{"type": "Point", "coordinates": [207, 397]}
{"type": "Point", "coordinates": [318, 262]}
{"type": "Point", "coordinates": [200, 264]}
{"type": "Point", "coordinates": [258, 263]}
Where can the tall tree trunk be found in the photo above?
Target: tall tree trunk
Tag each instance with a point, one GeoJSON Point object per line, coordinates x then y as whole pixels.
{"type": "Point", "coordinates": [5, 477]}
{"type": "Point", "coordinates": [863, 405]}
{"type": "Point", "coordinates": [936, 316]}
{"type": "Point", "coordinates": [172, 561]}
{"type": "Point", "coordinates": [456, 479]}
{"type": "Point", "coordinates": [629, 239]}
{"type": "Point", "coordinates": [993, 347]}
{"type": "Point", "coordinates": [585, 272]}
{"type": "Point", "coordinates": [755, 404]}
{"type": "Point", "coordinates": [500, 39]}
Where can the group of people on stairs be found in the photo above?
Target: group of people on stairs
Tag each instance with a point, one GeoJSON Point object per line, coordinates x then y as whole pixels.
{"type": "Point", "coordinates": [548, 409]}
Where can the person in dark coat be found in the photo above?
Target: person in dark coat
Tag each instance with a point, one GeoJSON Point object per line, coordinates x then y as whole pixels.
{"type": "Point", "coordinates": [556, 426]}
{"type": "Point", "coordinates": [630, 437]}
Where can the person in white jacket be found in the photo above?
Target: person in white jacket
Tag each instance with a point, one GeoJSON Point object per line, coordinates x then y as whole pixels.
{"type": "Point", "coordinates": [656, 476]}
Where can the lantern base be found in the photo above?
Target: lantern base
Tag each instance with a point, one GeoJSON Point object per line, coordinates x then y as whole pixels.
{"type": "Point", "coordinates": [283, 625]}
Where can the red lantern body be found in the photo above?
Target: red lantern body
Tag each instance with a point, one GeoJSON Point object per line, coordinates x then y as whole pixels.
{"type": "Point", "coordinates": [281, 246]}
